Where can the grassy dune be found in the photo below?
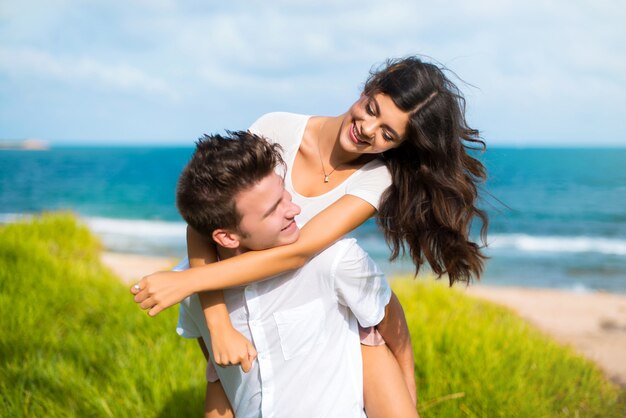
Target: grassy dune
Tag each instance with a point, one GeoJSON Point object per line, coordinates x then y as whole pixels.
{"type": "Point", "coordinates": [74, 344]}
{"type": "Point", "coordinates": [477, 359]}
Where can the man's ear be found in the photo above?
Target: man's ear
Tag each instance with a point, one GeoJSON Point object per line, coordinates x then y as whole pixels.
{"type": "Point", "coordinates": [226, 238]}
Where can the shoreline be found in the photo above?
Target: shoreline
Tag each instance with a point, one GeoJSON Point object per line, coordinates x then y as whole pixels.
{"type": "Point", "coordinates": [592, 323]}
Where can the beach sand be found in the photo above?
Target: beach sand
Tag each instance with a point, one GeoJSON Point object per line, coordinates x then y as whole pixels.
{"type": "Point", "coordinates": [593, 323]}
{"type": "Point", "coordinates": [131, 267]}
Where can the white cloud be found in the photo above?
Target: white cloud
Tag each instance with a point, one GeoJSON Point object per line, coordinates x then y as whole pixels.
{"type": "Point", "coordinates": [86, 71]}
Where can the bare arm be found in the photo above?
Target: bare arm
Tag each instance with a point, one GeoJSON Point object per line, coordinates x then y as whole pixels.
{"type": "Point", "coordinates": [228, 345]}
{"type": "Point", "coordinates": [395, 331]}
{"type": "Point", "coordinates": [161, 290]}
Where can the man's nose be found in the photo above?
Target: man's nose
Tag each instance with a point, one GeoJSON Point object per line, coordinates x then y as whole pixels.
{"type": "Point", "coordinates": [292, 211]}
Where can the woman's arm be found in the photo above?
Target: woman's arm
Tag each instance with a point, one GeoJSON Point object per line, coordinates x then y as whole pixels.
{"type": "Point", "coordinates": [228, 345]}
{"type": "Point", "coordinates": [161, 290]}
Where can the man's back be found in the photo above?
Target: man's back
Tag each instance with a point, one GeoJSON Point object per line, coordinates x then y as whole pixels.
{"type": "Point", "coordinates": [304, 328]}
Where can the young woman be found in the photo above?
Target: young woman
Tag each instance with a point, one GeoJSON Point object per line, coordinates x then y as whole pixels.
{"type": "Point", "coordinates": [401, 152]}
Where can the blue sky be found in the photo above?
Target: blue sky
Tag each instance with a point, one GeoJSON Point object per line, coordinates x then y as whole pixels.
{"type": "Point", "coordinates": [162, 71]}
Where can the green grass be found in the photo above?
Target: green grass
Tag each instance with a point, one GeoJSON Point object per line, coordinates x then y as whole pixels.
{"type": "Point", "coordinates": [74, 344]}
{"type": "Point", "coordinates": [474, 358]}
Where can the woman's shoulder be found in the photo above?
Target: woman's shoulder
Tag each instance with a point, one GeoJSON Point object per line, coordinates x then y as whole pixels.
{"type": "Point", "coordinates": [370, 182]}
{"type": "Point", "coordinates": [374, 168]}
{"type": "Point", "coordinates": [277, 121]}
{"type": "Point", "coordinates": [283, 128]}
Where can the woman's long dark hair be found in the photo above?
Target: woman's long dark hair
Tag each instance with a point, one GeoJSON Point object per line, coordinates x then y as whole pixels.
{"type": "Point", "coordinates": [432, 201]}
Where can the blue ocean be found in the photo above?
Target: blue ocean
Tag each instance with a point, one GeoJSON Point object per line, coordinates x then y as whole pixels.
{"type": "Point", "coordinates": [557, 216]}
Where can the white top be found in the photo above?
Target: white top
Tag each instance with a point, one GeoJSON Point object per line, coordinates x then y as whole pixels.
{"type": "Point", "coordinates": [304, 327]}
{"type": "Point", "coordinates": [287, 129]}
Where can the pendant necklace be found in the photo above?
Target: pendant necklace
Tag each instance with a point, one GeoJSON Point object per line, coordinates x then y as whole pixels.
{"type": "Point", "coordinates": [326, 176]}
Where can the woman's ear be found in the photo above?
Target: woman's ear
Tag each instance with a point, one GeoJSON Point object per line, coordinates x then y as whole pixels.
{"type": "Point", "coordinates": [226, 238]}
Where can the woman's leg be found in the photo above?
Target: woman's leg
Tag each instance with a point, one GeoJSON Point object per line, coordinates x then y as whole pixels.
{"type": "Point", "coordinates": [384, 389]}
{"type": "Point", "coordinates": [216, 403]}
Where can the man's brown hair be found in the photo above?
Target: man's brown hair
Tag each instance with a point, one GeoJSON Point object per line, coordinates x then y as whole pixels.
{"type": "Point", "coordinates": [220, 168]}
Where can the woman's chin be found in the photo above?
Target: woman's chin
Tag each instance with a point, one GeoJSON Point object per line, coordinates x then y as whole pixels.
{"type": "Point", "coordinates": [349, 146]}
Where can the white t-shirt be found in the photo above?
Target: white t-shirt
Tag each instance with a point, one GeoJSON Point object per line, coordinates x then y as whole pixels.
{"type": "Point", "coordinates": [287, 129]}
{"type": "Point", "coordinates": [304, 327]}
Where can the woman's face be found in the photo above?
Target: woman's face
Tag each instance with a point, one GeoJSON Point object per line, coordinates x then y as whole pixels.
{"type": "Point", "coordinates": [372, 125]}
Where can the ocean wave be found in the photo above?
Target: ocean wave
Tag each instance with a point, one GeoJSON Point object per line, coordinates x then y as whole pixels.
{"type": "Point", "coordinates": [114, 226]}
{"type": "Point", "coordinates": [579, 288]}
{"type": "Point", "coordinates": [140, 236]}
{"type": "Point", "coordinates": [137, 227]}
{"type": "Point", "coordinates": [144, 235]}
{"type": "Point", "coordinates": [559, 244]}
{"type": "Point", "coordinates": [128, 235]}
{"type": "Point", "coordinates": [7, 218]}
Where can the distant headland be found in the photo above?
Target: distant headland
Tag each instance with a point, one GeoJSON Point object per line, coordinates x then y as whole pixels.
{"type": "Point", "coordinates": [25, 145]}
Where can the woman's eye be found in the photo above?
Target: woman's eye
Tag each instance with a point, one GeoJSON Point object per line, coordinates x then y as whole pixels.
{"type": "Point", "coordinates": [369, 109]}
{"type": "Point", "coordinates": [387, 137]}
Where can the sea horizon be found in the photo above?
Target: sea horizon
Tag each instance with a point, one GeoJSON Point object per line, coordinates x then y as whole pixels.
{"type": "Point", "coordinates": [557, 215]}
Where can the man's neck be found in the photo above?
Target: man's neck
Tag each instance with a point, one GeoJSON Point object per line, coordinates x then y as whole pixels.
{"type": "Point", "coordinates": [223, 253]}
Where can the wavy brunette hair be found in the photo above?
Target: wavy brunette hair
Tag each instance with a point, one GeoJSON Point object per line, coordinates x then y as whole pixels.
{"type": "Point", "coordinates": [432, 201]}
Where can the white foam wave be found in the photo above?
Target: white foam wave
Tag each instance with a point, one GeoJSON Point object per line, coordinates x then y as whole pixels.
{"type": "Point", "coordinates": [579, 288]}
{"type": "Point", "coordinates": [7, 218]}
{"type": "Point", "coordinates": [128, 235]}
{"type": "Point", "coordinates": [134, 227]}
{"type": "Point", "coordinates": [122, 227]}
{"type": "Point", "coordinates": [139, 236]}
{"type": "Point", "coordinates": [560, 244]}
{"type": "Point", "coordinates": [124, 234]}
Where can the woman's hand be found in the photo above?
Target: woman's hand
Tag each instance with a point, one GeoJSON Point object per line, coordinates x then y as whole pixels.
{"type": "Point", "coordinates": [231, 348]}
{"type": "Point", "coordinates": [158, 291]}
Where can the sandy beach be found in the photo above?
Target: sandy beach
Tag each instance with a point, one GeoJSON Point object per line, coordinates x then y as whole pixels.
{"type": "Point", "coordinates": [593, 323]}
{"type": "Point", "coordinates": [131, 267]}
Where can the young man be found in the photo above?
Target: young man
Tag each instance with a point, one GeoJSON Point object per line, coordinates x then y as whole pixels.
{"type": "Point", "coordinates": [303, 323]}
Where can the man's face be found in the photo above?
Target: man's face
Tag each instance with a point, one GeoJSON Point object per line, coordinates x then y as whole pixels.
{"type": "Point", "coordinates": [267, 215]}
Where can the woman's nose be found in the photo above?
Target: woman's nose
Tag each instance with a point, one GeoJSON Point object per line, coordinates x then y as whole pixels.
{"type": "Point", "coordinates": [368, 128]}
